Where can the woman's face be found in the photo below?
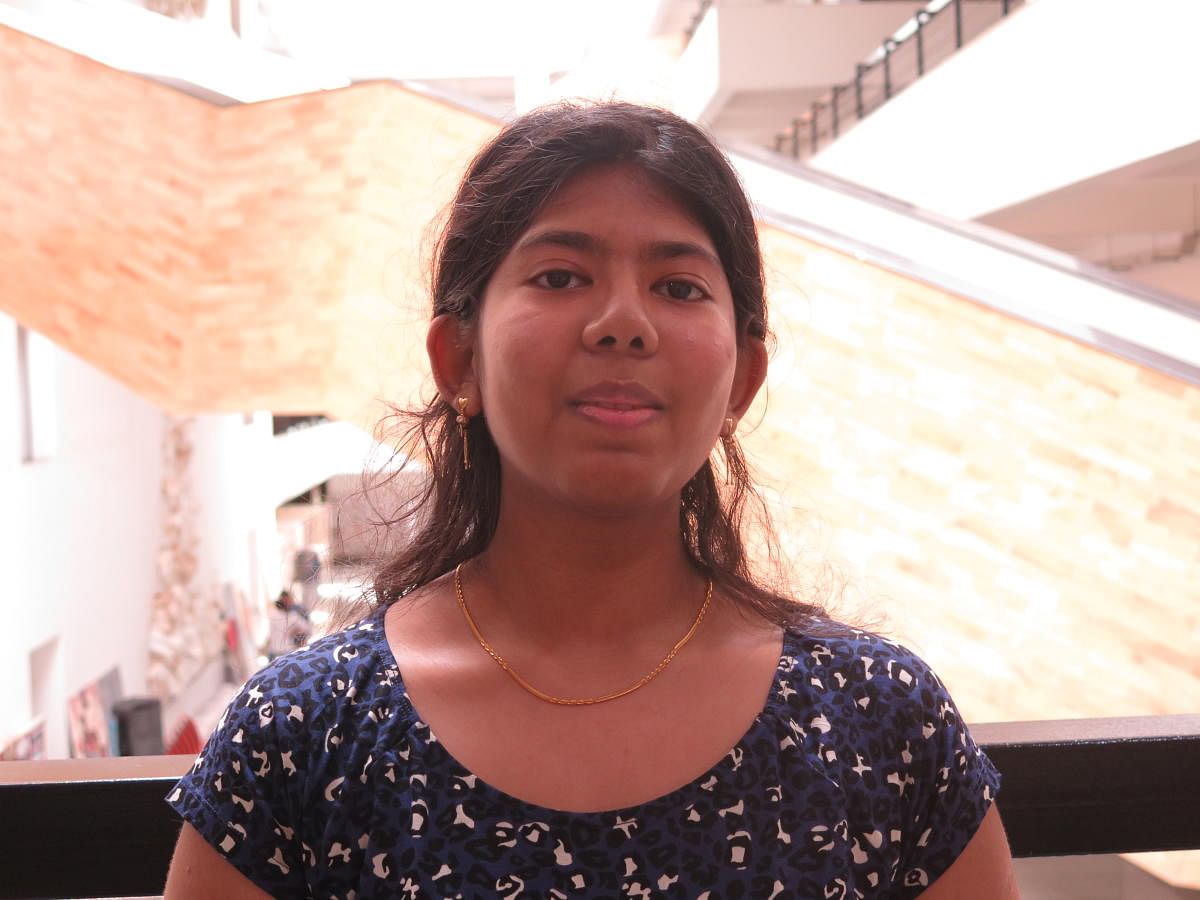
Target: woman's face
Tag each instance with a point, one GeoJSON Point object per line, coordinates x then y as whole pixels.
{"type": "Point", "coordinates": [605, 356]}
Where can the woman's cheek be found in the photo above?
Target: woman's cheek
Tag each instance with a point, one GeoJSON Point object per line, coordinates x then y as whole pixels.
{"type": "Point", "coordinates": [522, 356]}
{"type": "Point", "coordinates": [710, 353]}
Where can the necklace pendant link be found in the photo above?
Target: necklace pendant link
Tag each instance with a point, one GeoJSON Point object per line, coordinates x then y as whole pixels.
{"type": "Point", "coordinates": [577, 701]}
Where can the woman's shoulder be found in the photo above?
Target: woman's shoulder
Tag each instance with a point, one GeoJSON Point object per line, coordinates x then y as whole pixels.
{"type": "Point", "coordinates": [864, 684]}
{"type": "Point", "coordinates": [345, 674]}
{"type": "Point", "coordinates": [286, 743]}
{"type": "Point", "coordinates": [875, 719]}
{"type": "Point", "coordinates": [839, 648]}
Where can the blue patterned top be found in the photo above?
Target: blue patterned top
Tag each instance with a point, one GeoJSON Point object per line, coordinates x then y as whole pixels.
{"type": "Point", "coordinates": [857, 780]}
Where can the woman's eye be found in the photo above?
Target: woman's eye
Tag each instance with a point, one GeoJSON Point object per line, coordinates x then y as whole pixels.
{"type": "Point", "coordinates": [557, 279]}
{"type": "Point", "coordinates": [678, 289]}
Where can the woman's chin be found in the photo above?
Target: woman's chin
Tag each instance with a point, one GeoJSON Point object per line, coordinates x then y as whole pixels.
{"type": "Point", "coordinates": [618, 494]}
{"type": "Point", "coordinates": [602, 485]}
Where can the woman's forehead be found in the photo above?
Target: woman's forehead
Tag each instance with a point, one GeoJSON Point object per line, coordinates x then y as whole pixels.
{"type": "Point", "coordinates": [617, 199]}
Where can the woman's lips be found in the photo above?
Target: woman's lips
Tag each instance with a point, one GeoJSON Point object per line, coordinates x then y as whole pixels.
{"type": "Point", "coordinates": [617, 415]}
{"type": "Point", "coordinates": [619, 404]}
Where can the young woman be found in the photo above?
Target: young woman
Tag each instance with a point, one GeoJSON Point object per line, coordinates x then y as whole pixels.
{"type": "Point", "coordinates": [572, 683]}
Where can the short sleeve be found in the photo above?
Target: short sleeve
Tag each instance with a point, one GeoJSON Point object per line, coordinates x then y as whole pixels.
{"type": "Point", "coordinates": [240, 794]}
{"type": "Point", "coordinates": [953, 785]}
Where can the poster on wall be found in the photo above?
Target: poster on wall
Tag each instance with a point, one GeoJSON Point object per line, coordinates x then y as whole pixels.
{"type": "Point", "coordinates": [28, 744]}
{"type": "Point", "coordinates": [88, 724]}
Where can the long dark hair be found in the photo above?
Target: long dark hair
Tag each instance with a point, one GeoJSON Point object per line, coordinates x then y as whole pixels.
{"type": "Point", "coordinates": [453, 516]}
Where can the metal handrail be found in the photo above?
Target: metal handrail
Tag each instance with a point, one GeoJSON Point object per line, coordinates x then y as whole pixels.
{"type": "Point", "coordinates": [825, 121]}
{"type": "Point", "coordinates": [1031, 283]}
{"type": "Point", "coordinates": [975, 231]}
{"type": "Point", "coordinates": [697, 18]}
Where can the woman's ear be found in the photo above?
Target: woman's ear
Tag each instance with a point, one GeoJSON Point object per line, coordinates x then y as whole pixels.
{"type": "Point", "coordinates": [749, 375]}
{"type": "Point", "coordinates": [451, 350]}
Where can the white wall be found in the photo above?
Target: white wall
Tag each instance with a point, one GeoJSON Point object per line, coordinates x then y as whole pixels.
{"type": "Point", "coordinates": [202, 53]}
{"type": "Point", "coordinates": [302, 457]}
{"type": "Point", "coordinates": [697, 90]}
{"type": "Point", "coordinates": [1060, 91]}
{"type": "Point", "coordinates": [80, 540]}
{"type": "Point", "coordinates": [779, 47]}
{"type": "Point", "coordinates": [234, 502]}
{"type": "Point", "coordinates": [767, 46]}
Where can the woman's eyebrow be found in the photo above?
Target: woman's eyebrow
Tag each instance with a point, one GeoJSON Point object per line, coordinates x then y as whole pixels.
{"type": "Point", "coordinates": [675, 249]}
{"type": "Point", "coordinates": [587, 243]}
{"type": "Point", "coordinates": [573, 240]}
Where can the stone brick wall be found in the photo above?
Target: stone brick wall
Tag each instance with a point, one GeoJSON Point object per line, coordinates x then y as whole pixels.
{"type": "Point", "coordinates": [1024, 509]}
{"type": "Point", "coordinates": [223, 258]}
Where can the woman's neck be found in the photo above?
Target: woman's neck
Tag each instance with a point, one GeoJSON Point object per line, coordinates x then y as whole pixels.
{"type": "Point", "coordinates": [562, 579]}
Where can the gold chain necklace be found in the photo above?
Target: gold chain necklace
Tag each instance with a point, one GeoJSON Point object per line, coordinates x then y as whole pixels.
{"type": "Point", "coordinates": [580, 701]}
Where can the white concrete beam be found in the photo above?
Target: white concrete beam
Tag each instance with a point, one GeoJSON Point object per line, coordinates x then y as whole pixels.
{"type": "Point", "coordinates": [756, 47]}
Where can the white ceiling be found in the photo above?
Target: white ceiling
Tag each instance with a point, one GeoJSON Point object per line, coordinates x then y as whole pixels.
{"type": "Point", "coordinates": [1157, 194]}
{"type": "Point", "coordinates": [1142, 219]}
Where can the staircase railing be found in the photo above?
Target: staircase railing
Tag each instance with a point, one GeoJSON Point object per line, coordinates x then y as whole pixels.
{"type": "Point", "coordinates": [925, 41]}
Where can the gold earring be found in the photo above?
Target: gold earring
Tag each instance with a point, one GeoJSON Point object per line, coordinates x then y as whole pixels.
{"type": "Point", "coordinates": [462, 421]}
{"type": "Point", "coordinates": [730, 427]}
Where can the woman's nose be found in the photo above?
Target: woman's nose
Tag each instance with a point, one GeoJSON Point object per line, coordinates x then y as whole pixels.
{"type": "Point", "coordinates": [622, 323]}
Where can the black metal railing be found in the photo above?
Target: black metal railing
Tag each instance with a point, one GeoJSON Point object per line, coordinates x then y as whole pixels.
{"type": "Point", "coordinates": [284, 424]}
{"type": "Point", "coordinates": [100, 828]}
{"type": "Point", "coordinates": [924, 42]}
{"type": "Point", "coordinates": [1078, 786]}
{"type": "Point", "coordinates": [697, 18]}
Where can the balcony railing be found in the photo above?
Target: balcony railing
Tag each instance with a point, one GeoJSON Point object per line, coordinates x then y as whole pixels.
{"type": "Point", "coordinates": [100, 828]}
{"type": "Point", "coordinates": [697, 18]}
{"type": "Point", "coordinates": [933, 35]}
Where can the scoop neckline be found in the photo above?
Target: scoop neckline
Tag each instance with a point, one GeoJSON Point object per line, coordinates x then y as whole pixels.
{"type": "Point", "coordinates": [509, 800]}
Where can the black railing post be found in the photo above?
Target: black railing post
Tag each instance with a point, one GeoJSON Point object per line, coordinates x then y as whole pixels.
{"type": "Point", "coordinates": [690, 31]}
{"type": "Point", "coordinates": [922, 18]}
{"type": "Point", "coordinates": [888, 46]}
